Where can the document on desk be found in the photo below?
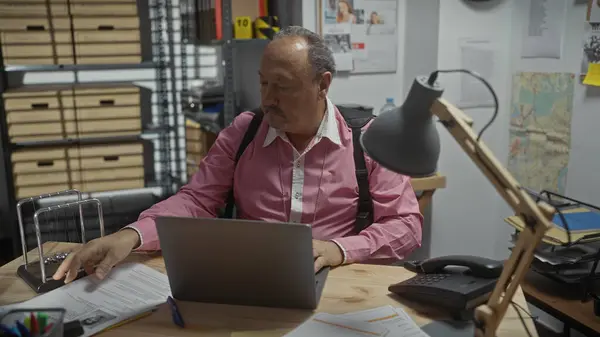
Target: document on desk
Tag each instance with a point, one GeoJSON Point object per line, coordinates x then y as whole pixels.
{"type": "Point", "coordinates": [395, 320]}
{"type": "Point", "coordinates": [323, 324]}
{"type": "Point", "coordinates": [128, 290]}
{"type": "Point", "coordinates": [383, 321]}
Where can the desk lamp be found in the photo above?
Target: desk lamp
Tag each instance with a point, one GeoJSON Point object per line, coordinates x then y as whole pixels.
{"type": "Point", "coordinates": [405, 140]}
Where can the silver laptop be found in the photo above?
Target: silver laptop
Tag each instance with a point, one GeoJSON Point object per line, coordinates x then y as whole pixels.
{"type": "Point", "coordinates": [240, 262]}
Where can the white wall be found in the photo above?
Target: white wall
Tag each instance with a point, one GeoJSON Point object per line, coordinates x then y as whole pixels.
{"type": "Point", "coordinates": [453, 215]}
{"type": "Point", "coordinates": [365, 89]}
{"type": "Point", "coordinates": [584, 162]}
{"type": "Point", "coordinates": [457, 226]}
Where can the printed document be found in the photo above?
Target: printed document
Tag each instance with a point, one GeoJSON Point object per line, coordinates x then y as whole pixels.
{"type": "Point", "coordinates": [323, 324]}
{"type": "Point", "coordinates": [382, 321]}
{"type": "Point", "coordinates": [544, 35]}
{"type": "Point", "coordinates": [127, 291]}
{"type": "Point", "coordinates": [479, 56]}
{"type": "Point", "coordinates": [395, 320]}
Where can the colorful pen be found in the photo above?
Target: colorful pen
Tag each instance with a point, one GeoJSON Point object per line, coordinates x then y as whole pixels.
{"type": "Point", "coordinates": [34, 324]}
{"type": "Point", "coordinates": [177, 318]}
{"type": "Point", "coordinates": [4, 330]}
{"type": "Point", "coordinates": [48, 327]}
{"type": "Point", "coordinates": [42, 319]}
{"type": "Point", "coordinates": [28, 322]}
{"type": "Point", "coordinates": [23, 329]}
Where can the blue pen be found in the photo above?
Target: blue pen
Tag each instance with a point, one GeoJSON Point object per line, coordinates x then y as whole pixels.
{"type": "Point", "coordinates": [23, 329]}
{"type": "Point", "coordinates": [4, 330]}
{"type": "Point", "coordinates": [176, 315]}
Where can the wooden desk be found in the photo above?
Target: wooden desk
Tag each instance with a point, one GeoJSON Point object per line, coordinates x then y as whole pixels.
{"type": "Point", "coordinates": [562, 302]}
{"type": "Point", "coordinates": [348, 288]}
{"type": "Point", "coordinates": [427, 186]}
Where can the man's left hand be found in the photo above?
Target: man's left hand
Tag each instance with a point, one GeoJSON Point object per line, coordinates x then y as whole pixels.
{"type": "Point", "coordinates": [326, 253]}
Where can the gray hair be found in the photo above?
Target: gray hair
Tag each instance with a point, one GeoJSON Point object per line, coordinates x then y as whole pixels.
{"type": "Point", "coordinates": [319, 54]}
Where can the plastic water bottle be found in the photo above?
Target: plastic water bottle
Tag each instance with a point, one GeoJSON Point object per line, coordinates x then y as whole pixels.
{"type": "Point", "coordinates": [389, 105]}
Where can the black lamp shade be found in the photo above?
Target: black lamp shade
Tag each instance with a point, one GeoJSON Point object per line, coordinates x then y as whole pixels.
{"type": "Point", "coordinates": [405, 140]}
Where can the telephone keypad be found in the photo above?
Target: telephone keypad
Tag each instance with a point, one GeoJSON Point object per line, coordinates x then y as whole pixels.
{"type": "Point", "coordinates": [426, 279]}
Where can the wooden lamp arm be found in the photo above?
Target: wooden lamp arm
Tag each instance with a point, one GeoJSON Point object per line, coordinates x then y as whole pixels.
{"type": "Point", "coordinates": [537, 216]}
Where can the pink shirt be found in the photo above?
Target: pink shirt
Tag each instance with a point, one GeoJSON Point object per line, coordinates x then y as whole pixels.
{"type": "Point", "coordinates": [273, 182]}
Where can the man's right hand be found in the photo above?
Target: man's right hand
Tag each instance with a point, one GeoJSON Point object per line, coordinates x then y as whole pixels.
{"type": "Point", "coordinates": [98, 256]}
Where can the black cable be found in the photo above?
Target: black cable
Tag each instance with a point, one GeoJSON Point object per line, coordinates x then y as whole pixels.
{"type": "Point", "coordinates": [516, 307]}
{"type": "Point", "coordinates": [524, 310]}
{"type": "Point", "coordinates": [433, 78]}
{"type": "Point", "coordinates": [564, 221]}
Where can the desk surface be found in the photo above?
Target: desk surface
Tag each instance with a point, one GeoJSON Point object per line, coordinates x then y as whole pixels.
{"type": "Point", "coordinates": [348, 288]}
{"type": "Point", "coordinates": [561, 301]}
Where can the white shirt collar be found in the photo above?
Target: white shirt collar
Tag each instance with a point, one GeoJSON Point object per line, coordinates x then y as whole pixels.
{"type": "Point", "coordinates": [327, 129]}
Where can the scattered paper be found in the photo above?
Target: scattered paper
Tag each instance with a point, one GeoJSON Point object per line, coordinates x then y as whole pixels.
{"type": "Point", "coordinates": [545, 29]}
{"type": "Point", "coordinates": [396, 320]}
{"type": "Point", "coordinates": [382, 321]}
{"type": "Point", "coordinates": [479, 56]}
{"type": "Point", "coordinates": [338, 39]}
{"type": "Point", "coordinates": [362, 34]}
{"type": "Point", "coordinates": [129, 290]}
{"type": "Point", "coordinates": [323, 324]}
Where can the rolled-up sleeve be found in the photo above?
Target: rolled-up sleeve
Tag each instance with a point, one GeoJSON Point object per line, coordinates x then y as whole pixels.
{"type": "Point", "coordinates": [398, 222]}
{"type": "Point", "coordinates": [206, 191]}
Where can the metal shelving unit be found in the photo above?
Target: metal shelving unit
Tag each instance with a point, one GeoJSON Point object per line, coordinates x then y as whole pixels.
{"type": "Point", "coordinates": [227, 52]}
{"type": "Point", "coordinates": [79, 67]}
{"type": "Point", "coordinates": [162, 17]}
{"type": "Point", "coordinates": [75, 141]}
{"type": "Point", "coordinates": [166, 108]}
{"type": "Point", "coordinates": [8, 204]}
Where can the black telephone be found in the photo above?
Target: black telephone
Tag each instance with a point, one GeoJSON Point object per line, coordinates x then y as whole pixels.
{"type": "Point", "coordinates": [455, 282]}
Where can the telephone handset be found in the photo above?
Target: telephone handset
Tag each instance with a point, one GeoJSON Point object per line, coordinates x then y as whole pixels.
{"type": "Point", "coordinates": [478, 266]}
{"type": "Point", "coordinates": [455, 282]}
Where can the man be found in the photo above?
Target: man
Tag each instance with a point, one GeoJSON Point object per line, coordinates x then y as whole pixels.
{"type": "Point", "coordinates": [299, 168]}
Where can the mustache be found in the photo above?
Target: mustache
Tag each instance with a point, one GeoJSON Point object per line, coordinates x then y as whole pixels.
{"type": "Point", "coordinates": [272, 109]}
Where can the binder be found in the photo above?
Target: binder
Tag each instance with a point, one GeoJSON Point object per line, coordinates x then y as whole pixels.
{"type": "Point", "coordinates": [574, 222]}
{"type": "Point", "coordinates": [208, 20]}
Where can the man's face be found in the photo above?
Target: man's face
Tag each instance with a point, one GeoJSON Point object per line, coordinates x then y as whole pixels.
{"type": "Point", "coordinates": [290, 90]}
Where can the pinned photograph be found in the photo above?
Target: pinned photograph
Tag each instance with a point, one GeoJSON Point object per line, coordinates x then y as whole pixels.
{"type": "Point", "coordinates": [345, 12]}
{"type": "Point", "coordinates": [330, 10]}
{"type": "Point", "coordinates": [96, 318]}
{"type": "Point", "coordinates": [360, 16]}
{"type": "Point", "coordinates": [338, 43]}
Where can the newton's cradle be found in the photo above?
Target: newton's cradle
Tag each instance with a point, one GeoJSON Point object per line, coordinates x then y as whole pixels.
{"type": "Point", "coordinates": [38, 274]}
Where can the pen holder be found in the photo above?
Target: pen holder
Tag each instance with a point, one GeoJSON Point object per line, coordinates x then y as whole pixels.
{"type": "Point", "coordinates": [38, 274]}
{"type": "Point", "coordinates": [37, 322]}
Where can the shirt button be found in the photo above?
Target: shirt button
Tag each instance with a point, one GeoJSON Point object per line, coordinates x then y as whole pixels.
{"type": "Point", "coordinates": [297, 195]}
{"type": "Point", "coordinates": [297, 165]}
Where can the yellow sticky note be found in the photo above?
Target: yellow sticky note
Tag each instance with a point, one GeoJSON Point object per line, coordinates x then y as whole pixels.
{"type": "Point", "coordinates": [593, 75]}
